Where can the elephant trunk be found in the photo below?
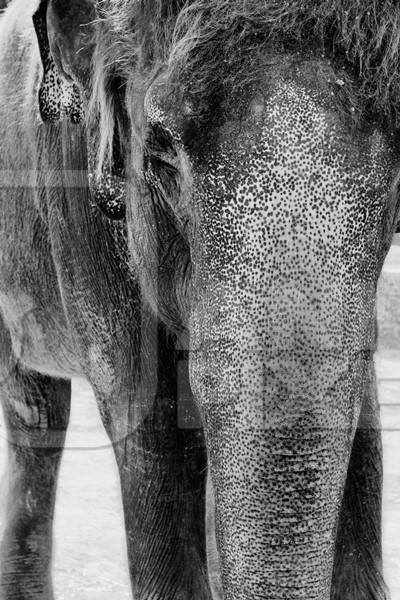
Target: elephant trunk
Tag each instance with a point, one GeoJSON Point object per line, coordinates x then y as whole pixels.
{"type": "Point", "coordinates": [280, 424]}
{"type": "Point", "coordinates": [279, 357]}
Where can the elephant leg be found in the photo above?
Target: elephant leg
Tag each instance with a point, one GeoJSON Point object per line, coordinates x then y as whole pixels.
{"type": "Point", "coordinates": [36, 410]}
{"type": "Point", "coordinates": [163, 502]}
{"type": "Point", "coordinates": [358, 562]}
{"type": "Point", "coordinates": [162, 465]}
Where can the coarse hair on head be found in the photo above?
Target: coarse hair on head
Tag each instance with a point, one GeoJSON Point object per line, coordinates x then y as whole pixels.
{"type": "Point", "coordinates": [196, 45]}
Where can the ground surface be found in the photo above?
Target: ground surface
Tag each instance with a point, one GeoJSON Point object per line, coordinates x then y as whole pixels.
{"type": "Point", "coordinates": [90, 559]}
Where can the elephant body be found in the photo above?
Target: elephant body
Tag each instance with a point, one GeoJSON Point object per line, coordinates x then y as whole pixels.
{"type": "Point", "coordinates": [71, 305]}
{"type": "Point", "coordinates": [255, 194]}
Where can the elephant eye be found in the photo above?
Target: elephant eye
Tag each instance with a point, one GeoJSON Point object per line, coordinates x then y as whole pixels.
{"type": "Point", "coordinates": [161, 165]}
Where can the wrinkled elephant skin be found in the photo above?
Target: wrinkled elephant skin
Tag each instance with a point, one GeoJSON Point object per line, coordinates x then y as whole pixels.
{"type": "Point", "coordinates": [192, 198]}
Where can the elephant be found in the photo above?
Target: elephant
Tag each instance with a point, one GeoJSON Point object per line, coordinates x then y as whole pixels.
{"type": "Point", "coordinates": [201, 194]}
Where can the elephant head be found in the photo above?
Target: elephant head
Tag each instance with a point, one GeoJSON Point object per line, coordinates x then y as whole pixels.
{"type": "Point", "coordinates": [260, 206]}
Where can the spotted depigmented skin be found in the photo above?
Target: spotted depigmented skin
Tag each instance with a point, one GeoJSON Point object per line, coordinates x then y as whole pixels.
{"type": "Point", "coordinates": [57, 96]}
{"type": "Point", "coordinates": [109, 193]}
{"type": "Point", "coordinates": [287, 256]}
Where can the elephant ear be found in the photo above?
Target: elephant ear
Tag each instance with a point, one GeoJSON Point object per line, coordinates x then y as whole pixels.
{"type": "Point", "coordinates": [64, 30]}
{"type": "Point", "coordinates": [59, 95]}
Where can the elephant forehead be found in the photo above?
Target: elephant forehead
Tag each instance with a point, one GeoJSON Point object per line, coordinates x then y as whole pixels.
{"type": "Point", "coordinates": [300, 151]}
{"type": "Point", "coordinates": [297, 192]}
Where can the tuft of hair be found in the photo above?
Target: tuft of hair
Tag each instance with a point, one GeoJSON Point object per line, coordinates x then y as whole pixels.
{"type": "Point", "coordinates": [198, 45]}
{"type": "Point", "coordinates": [132, 44]}
{"type": "Point", "coordinates": [212, 37]}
